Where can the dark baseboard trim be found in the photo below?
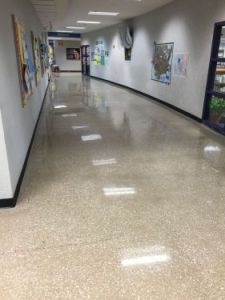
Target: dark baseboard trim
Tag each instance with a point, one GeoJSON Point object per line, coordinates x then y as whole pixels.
{"type": "Point", "coordinates": [181, 111]}
{"type": "Point", "coordinates": [11, 202]}
{"type": "Point", "coordinates": [71, 71]}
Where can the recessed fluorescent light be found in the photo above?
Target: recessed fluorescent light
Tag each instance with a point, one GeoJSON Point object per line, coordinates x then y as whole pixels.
{"type": "Point", "coordinates": [88, 22]}
{"type": "Point", "coordinates": [103, 13]}
{"type": "Point", "coordinates": [76, 27]}
{"type": "Point", "coordinates": [64, 31]}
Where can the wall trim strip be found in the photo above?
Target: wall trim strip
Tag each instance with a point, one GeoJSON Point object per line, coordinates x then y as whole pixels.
{"type": "Point", "coordinates": [177, 109]}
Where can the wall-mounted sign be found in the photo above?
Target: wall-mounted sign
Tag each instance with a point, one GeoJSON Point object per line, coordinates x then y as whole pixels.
{"type": "Point", "coordinates": [64, 35]}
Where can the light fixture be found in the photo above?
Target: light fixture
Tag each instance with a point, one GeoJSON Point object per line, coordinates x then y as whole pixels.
{"type": "Point", "coordinates": [76, 27]}
{"type": "Point", "coordinates": [64, 31]}
{"type": "Point", "coordinates": [103, 13]}
{"type": "Point", "coordinates": [88, 22]}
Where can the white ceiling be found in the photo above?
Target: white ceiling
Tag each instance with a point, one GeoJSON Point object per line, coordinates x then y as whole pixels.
{"type": "Point", "coordinates": [57, 14]}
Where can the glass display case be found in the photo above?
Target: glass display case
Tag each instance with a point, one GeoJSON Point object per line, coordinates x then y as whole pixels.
{"type": "Point", "coordinates": [85, 51]}
{"type": "Point", "coordinates": [219, 83]}
{"type": "Point", "coordinates": [214, 111]}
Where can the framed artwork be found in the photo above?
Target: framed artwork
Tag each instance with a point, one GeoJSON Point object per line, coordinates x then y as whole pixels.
{"type": "Point", "coordinates": [37, 57]}
{"type": "Point", "coordinates": [180, 64]}
{"type": "Point", "coordinates": [162, 63]}
{"type": "Point", "coordinates": [26, 68]}
{"type": "Point", "coordinates": [128, 54]}
{"type": "Point", "coordinates": [44, 58]}
{"type": "Point", "coordinates": [73, 54]}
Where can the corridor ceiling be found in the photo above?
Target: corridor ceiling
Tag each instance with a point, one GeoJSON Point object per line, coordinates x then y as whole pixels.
{"type": "Point", "coordinates": [59, 14]}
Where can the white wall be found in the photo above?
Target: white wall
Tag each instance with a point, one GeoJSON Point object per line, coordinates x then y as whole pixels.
{"type": "Point", "coordinates": [16, 122]}
{"type": "Point", "coordinates": [60, 55]}
{"type": "Point", "coordinates": [5, 181]}
{"type": "Point", "coordinates": [189, 24]}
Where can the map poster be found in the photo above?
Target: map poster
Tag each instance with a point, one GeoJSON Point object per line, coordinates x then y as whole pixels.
{"type": "Point", "coordinates": [162, 63]}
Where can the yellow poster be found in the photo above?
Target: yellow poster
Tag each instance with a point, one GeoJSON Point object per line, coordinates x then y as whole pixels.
{"type": "Point", "coordinates": [24, 60]}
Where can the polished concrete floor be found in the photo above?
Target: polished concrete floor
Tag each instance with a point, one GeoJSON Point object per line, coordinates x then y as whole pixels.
{"type": "Point", "coordinates": [122, 199]}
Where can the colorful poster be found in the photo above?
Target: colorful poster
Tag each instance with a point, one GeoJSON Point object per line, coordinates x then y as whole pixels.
{"type": "Point", "coordinates": [50, 55]}
{"type": "Point", "coordinates": [44, 57]}
{"type": "Point", "coordinates": [96, 59]}
{"type": "Point", "coordinates": [180, 64]}
{"type": "Point", "coordinates": [37, 57]}
{"type": "Point", "coordinates": [162, 63]}
{"type": "Point", "coordinates": [26, 68]}
{"type": "Point", "coordinates": [100, 53]}
{"type": "Point", "coordinates": [73, 54]}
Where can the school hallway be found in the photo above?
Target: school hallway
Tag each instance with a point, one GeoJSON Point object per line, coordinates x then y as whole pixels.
{"type": "Point", "coordinates": [122, 198]}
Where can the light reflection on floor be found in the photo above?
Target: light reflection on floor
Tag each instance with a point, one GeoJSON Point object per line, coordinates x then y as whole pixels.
{"type": "Point", "coordinates": [91, 137]}
{"type": "Point", "coordinates": [131, 207]}
{"type": "Point", "coordinates": [103, 162]}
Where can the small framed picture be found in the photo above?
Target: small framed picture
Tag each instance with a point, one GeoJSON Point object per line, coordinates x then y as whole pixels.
{"type": "Point", "coordinates": [73, 53]}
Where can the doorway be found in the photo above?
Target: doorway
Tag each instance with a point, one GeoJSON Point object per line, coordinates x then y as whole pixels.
{"type": "Point", "coordinates": [85, 59]}
{"type": "Point", "coordinates": [214, 110]}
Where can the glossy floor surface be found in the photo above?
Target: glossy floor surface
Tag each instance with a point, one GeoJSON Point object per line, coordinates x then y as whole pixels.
{"type": "Point", "coordinates": [122, 199]}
